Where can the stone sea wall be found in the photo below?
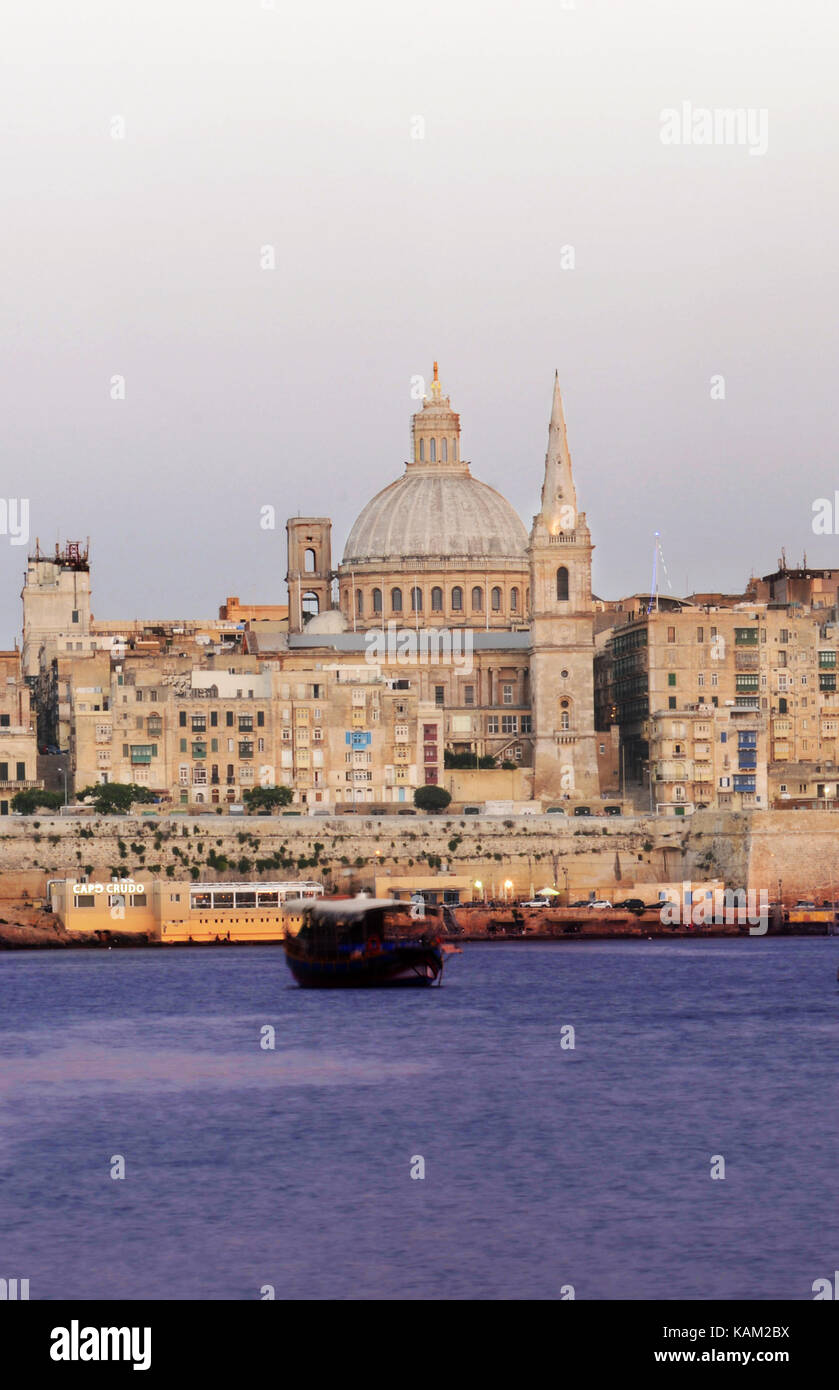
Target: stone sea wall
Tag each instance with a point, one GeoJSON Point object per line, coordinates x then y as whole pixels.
{"type": "Point", "coordinates": [608, 856]}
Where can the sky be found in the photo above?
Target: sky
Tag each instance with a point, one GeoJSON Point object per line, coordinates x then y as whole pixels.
{"type": "Point", "coordinates": [494, 185]}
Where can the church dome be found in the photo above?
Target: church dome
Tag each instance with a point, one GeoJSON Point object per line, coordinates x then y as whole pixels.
{"type": "Point", "coordinates": [436, 512]}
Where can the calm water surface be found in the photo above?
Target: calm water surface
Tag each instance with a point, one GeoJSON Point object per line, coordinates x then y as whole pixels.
{"type": "Point", "coordinates": [544, 1166]}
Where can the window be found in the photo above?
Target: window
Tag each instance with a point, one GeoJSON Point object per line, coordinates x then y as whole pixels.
{"type": "Point", "coordinates": [671, 678]}
{"type": "Point", "coordinates": [496, 600]}
{"type": "Point", "coordinates": [416, 600]}
{"type": "Point", "coordinates": [439, 694]}
{"type": "Point", "coordinates": [422, 450]}
{"type": "Point", "coordinates": [75, 615]}
{"type": "Point", "coordinates": [199, 748]}
{"type": "Point", "coordinates": [436, 599]}
{"type": "Point", "coordinates": [671, 703]}
{"type": "Point", "coordinates": [359, 602]}
{"type": "Point", "coordinates": [527, 724]}
{"type": "Point", "coordinates": [469, 695]}
{"type": "Point", "coordinates": [444, 450]}
{"type": "Point", "coordinates": [700, 634]}
{"type": "Point", "coordinates": [260, 718]}
{"type": "Point", "coordinates": [432, 450]}
{"type": "Point", "coordinates": [228, 719]}
{"type": "Point", "coordinates": [182, 719]}
{"type": "Point", "coordinates": [492, 724]}
{"type": "Point", "coordinates": [509, 724]}
{"type": "Point", "coordinates": [477, 599]}
{"type": "Point", "coordinates": [671, 634]}
{"type": "Point", "coordinates": [5, 721]}
{"type": "Point", "coordinates": [396, 600]}
{"type": "Point", "coordinates": [514, 600]}
{"type": "Point", "coordinates": [245, 723]}
{"type": "Point", "coordinates": [20, 771]}
{"type": "Point", "coordinates": [213, 719]}
{"type": "Point", "coordinates": [562, 584]}
{"type": "Point", "coordinates": [507, 694]}
{"type": "Point", "coordinates": [457, 599]}
{"type": "Point", "coordinates": [377, 600]}
{"type": "Point", "coordinates": [564, 720]}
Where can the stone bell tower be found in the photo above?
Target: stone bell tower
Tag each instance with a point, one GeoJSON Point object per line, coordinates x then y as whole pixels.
{"type": "Point", "coordinates": [309, 575]}
{"type": "Point", "coordinates": [562, 631]}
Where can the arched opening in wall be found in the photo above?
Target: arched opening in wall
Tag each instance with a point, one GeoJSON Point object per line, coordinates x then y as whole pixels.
{"type": "Point", "coordinates": [562, 584]}
{"type": "Point", "coordinates": [496, 600]}
{"type": "Point", "coordinates": [309, 561]}
{"type": "Point", "coordinates": [359, 602]}
{"type": "Point", "coordinates": [457, 599]}
{"type": "Point", "coordinates": [310, 604]}
{"type": "Point", "coordinates": [396, 600]}
{"type": "Point", "coordinates": [416, 600]}
{"type": "Point", "coordinates": [565, 716]}
{"type": "Point", "coordinates": [436, 600]}
{"type": "Point", "coordinates": [514, 600]}
{"type": "Point", "coordinates": [445, 451]}
{"type": "Point", "coordinates": [199, 797]}
{"type": "Point", "coordinates": [377, 600]}
{"type": "Point", "coordinates": [432, 450]}
{"type": "Point", "coordinates": [477, 599]}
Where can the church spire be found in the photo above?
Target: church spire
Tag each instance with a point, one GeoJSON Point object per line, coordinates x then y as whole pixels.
{"type": "Point", "coordinates": [559, 497]}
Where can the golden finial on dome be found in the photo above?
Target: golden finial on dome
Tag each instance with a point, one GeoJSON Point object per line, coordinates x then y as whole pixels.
{"type": "Point", "coordinates": [436, 388]}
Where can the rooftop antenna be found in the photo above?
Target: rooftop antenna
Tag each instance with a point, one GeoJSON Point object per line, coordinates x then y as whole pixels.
{"type": "Point", "coordinates": [658, 559]}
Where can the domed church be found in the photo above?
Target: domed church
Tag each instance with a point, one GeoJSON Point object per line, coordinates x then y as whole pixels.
{"type": "Point", "coordinates": [439, 549]}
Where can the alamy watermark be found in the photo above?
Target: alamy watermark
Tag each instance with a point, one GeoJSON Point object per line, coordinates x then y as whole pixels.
{"type": "Point", "coordinates": [719, 125]}
{"type": "Point", "coordinates": [422, 646]}
{"type": "Point", "coordinates": [717, 908]}
{"type": "Point", "coordinates": [14, 519]}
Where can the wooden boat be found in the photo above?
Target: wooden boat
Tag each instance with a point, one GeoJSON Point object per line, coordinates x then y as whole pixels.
{"type": "Point", "coordinates": [362, 942]}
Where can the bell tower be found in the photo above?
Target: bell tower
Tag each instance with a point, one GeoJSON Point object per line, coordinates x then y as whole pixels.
{"type": "Point", "coordinates": [309, 575]}
{"type": "Point", "coordinates": [562, 631]}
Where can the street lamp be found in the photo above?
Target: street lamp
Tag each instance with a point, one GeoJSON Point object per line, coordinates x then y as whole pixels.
{"type": "Point", "coordinates": [478, 886]}
{"type": "Point", "coordinates": [508, 886]}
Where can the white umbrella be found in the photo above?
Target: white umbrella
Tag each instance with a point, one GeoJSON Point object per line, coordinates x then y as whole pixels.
{"type": "Point", "coordinates": [548, 893]}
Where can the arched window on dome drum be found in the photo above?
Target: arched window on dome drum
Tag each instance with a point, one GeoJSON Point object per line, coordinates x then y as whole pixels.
{"type": "Point", "coordinates": [457, 599]}
{"type": "Point", "coordinates": [477, 599]}
{"type": "Point", "coordinates": [562, 583]}
{"type": "Point", "coordinates": [432, 450]}
{"type": "Point", "coordinates": [514, 600]}
{"type": "Point", "coordinates": [396, 600]}
{"type": "Point", "coordinates": [416, 600]}
{"type": "Point", "coordinates": [359, 602]}
{"type": "Point", "coordinates": [454, 450]}
{"type": "Point", "coordinates": [377, 600]}
{"type": "Point", "coordinates": [445, 451]}
{"type": "Point", "coordinates": [436, 600]}
{"type": "Point", "coordinates": [496, 600]}
{"type": "Point", "coordinates": [422, 450]}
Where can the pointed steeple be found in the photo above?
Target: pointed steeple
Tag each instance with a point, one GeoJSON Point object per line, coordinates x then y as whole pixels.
{"type": "Point", "coordinates": [559, 497]}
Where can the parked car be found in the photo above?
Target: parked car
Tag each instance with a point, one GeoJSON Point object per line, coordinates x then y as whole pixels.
{"type": "Point", "coordinates": [632, 905]}
{"type": "Point", "coordinates": [601, 903]}
{"type": "Point", "coordinates": [536, 902]}
{"type": "Point", "coordinates": [584, 902]}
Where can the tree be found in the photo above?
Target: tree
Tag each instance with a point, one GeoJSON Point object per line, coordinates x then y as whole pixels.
{"type": "Point", "coordinates": [431, 798]}
{"type": "Point", "coordinates": [115, 798]}
{"type": "Point", "coordinates": [266, 798]}
{"type": "Point", "coordinates": [28, 802]}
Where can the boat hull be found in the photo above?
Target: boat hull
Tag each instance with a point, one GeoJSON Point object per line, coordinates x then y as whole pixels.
{"type": "Point", "coordinates": [395, 964]}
